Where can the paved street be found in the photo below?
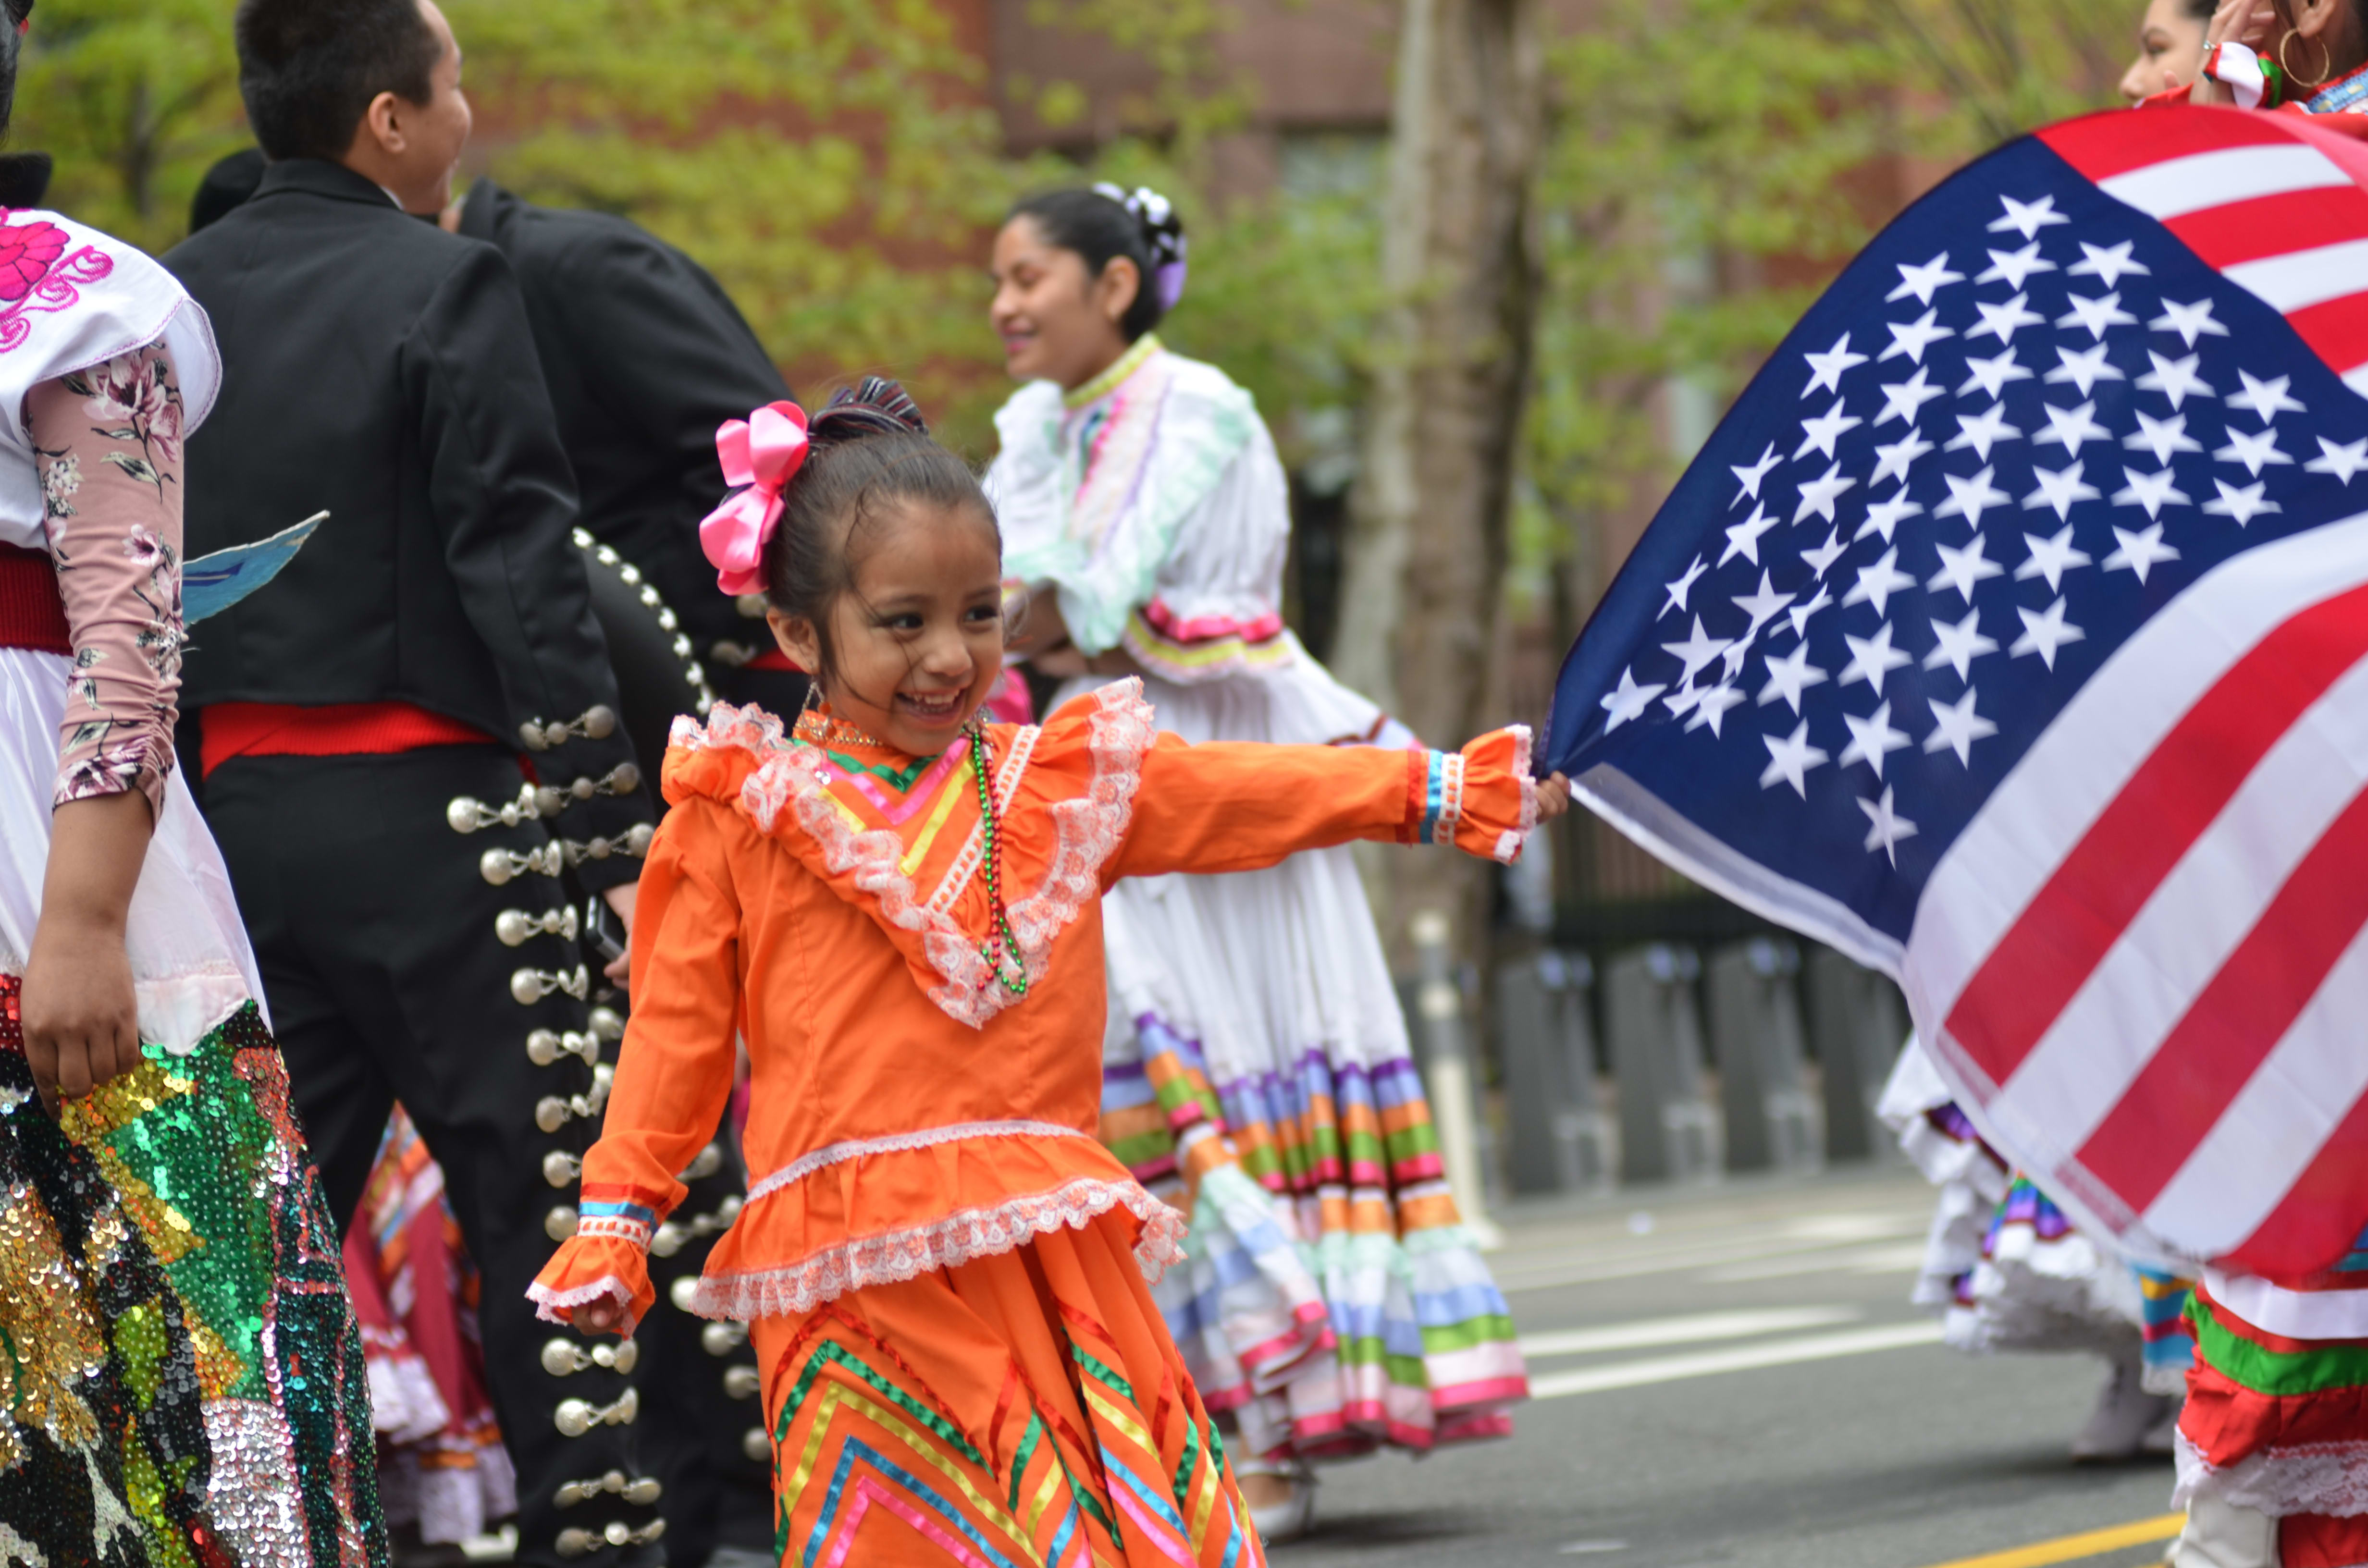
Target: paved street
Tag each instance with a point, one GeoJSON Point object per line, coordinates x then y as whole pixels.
{"type": "Point", "coordinates": [1734, 1376]}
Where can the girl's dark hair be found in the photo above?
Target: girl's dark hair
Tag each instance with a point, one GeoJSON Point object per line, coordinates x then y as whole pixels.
{"type": "Point", "coordinates": [867, 450]}
{"type": "Point", "coordinates": [1102, 223]}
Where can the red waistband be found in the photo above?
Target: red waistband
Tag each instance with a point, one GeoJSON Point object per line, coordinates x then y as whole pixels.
{"type": "Point", "coordinates": [32, 613]}
{"type": "Point", "coordinates": [340, 729]}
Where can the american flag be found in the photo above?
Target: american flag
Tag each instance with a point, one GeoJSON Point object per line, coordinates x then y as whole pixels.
{"type": "Point", "coordinates": [2012, 635]}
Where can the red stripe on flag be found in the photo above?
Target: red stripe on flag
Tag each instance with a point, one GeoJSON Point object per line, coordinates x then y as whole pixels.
{"type": "Point", "coordinates": [2238, 1019]}
{"type": "Point", "coordinates": [2314, 1225]}
{"type": "Point", "coordinates": [2335, 331]}
{"type": "Point", "coordinates": [2053, 947]}
{"type": "Point", "coordinates": [2273, 225]}
{"type": "Point", "coordinates": [2117, 140]}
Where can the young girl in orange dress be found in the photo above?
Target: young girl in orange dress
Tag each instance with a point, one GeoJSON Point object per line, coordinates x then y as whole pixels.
{"type": "Point", "coordinates": [898, 906]}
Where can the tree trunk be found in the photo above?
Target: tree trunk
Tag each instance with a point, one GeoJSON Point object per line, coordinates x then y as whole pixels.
{"type": "Point", "coordinates": [1428, 552]}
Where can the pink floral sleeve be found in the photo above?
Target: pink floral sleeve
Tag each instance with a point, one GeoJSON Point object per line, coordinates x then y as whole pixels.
{"type": "Point", "coordinates": [109, 445]}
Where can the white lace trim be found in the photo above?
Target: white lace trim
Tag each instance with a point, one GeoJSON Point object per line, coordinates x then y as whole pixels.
{"type": "Point", "coordinates": [548, 1302]}
{"type": "Point", "coordinates": [2314, 1478]}
{"type": "Point", "coordinates": [856, 1148]}
{"type": "Point", "coordinates": [1086, 831]}
{"type": "Point", "coordinates": [896, 1256]}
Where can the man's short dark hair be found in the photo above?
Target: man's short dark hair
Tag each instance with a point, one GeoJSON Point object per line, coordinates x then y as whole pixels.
{"type": "Point", "coordinates": [308, 69]}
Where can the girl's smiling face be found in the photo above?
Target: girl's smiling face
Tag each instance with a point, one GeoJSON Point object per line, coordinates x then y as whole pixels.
{"type": "Point", "coordinates": [917, 639]}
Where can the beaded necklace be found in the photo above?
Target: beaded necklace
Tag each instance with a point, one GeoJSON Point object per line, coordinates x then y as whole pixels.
{"type": "Point", "coordinates": [822, 731]}
{"type": "Point", "coordinates": [1013, 978]}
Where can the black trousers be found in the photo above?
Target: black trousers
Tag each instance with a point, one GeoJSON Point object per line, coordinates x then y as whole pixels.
{"type": "Point", "coordinates": [374, 928]}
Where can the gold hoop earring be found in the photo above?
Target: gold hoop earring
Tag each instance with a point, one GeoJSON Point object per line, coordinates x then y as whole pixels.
{"type": "Point", "coordinates": [2326, 64]}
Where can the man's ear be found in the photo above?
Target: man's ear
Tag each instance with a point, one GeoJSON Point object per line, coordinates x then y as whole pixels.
{"type": "Point", "coordinates": [382, 122]}
{"type": "Point", "coordinates": [795, 636]}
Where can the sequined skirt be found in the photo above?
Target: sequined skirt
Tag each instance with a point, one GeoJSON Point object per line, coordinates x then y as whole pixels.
{"type": "Point", "coordinates": [181, 1380]}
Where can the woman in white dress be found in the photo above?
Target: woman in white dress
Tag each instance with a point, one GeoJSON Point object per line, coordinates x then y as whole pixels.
{"type": "Point", "coordinates": [1257, 1068]}
{"type": "Point", "coordinates": [181, 1380]}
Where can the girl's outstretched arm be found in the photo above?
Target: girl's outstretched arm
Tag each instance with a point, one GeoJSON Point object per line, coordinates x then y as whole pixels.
{"type": "Point", "coordinates": [674, 1075]}
{"type": "Point", "coordinates": [1237, 806]}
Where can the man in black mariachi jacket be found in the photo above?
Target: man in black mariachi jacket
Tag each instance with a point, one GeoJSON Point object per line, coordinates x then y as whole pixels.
{"type": "Point", "coordinates": [644, 355]}
{"type": "Point", "coordinates": [360, 721]}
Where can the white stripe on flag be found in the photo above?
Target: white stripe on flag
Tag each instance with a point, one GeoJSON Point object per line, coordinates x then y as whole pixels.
{"type": "Point", "coordinates": [2297, 1314]}
{"type": "Point", "coordinates": [2181, 938]}
{"type": "Point", "coordinates": [2179, 186]}
{"type": "Point", "coordinates": [2305, 277]}
{"type": "Point", "coordinates": [2051, 799]}
{"type": "Point", "coordinates": [2267, 1135]}
{"type": "Point", "coordinates": [2356, 378]}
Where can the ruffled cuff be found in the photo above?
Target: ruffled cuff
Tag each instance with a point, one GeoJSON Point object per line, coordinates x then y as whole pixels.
{"type": "Point", "coordinates": [593, 1268]}
{"type": "Point", "coordinates": [1481, 798]}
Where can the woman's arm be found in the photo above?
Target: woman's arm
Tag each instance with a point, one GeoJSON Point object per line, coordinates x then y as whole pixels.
{"type": "Point", "coordinates": [108, 444]}
{"type": "Point", "coordinates": [1236, 806]}
{"type": "Point", "coordinates": [82, 1023]}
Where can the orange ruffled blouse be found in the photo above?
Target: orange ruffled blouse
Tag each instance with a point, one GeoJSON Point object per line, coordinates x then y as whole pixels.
{"type": "Point", "coordinates": [909, 1111]}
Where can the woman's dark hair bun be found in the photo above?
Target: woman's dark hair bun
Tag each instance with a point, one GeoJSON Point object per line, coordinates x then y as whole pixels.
{"type": "Point", "coordinates": [873, 406]}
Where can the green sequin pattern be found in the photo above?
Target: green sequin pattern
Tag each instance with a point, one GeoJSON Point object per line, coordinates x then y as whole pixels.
{"type": "Point", "coordinates": [181, 1378]}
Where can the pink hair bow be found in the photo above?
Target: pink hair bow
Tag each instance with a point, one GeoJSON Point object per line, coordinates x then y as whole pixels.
{"type": "Point", "coordinates": [760, 454]}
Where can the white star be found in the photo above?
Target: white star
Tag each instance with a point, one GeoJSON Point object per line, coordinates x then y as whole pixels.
{"type": "Point", "coordinates": [1821, 559]}
{"type": "Point", "coordinates": [2042, 633]}
{"type": "Point", "coordinates": [1877, 583]}
{"type": "Point", "coordinates": [1743, 539]}
{"type": "Point", "coordinates": [1885, 827]}
{"type": "Point", "coordinates": [2255, 452]}
{"type": "Point", "coordinates": [2060, 490]}
{"type": "Point", "coordinates": [1955, 727]}
{"type": "Point", "coordinates": [1789, 676]}
{"type": "Point", "coordinates": [1961, 569]}
{"type": "Point", "coordinates": [2096, 315]}
{"type": "Point", "coordinates": [1630, 701]}
{"type": "Point", "coordinates": [1818, 495]}
{"type": "Point", "coordinates": [2027, 217]}
{"type": "Point", "coordinates": [1762, 607]}
{"type": "Point", "coordinates": [1679, 590]}
{"type": "Point", "coordinates": [1960, 644]}
{"type": "Point", "coordinates": [1885, 515]}
{"type": "Point", "coordinates": [1820, 434]}
{"type": "Point", "coordinates": [1790, 759]}
{"type": "Point", "coordinates": [2190, 322]}
{"type": "Point", "coordinates": [2051, 558]}
{"type": "Point", "coordinates": [2152, 491]}
{"type": "Point", "coordinates": [2003, 320]}
{"type": "Point", "coordinates": [1800, 613]}
{"type": "Point", "coordinates": [1970, 496]}
{"type": "Point", "coordinates": [1750, 475]}
{"type": "Point", "coordinates": [2068, 427]}
{"type": "Point", "coordinates": [2265, 400]}
{"type": "Point", "coordinates": [2340, 461]}
{"type": "Point", "coordinates": [1710, 706]}
{"type": "Point", "coordinates": [1826, 369]}
{"type": "Point", "coordinates": [2015, 267]}
{"type": "Point", "coordinates": [1696, 651]}
{"type": "Point", "coordinates": [2108, 265]}
{"type": "Point", "coordinates": [1991, 375]}
{"type": "Point", "coordinates": [1873, 658]}
{"type": "Point", "coordinates": [1921, 281]}
{"type": "Point", "coordinates": [1902, 399]}
{"type": "Point", "coordinates": [2140, 552]}
{"type": "Point", "coordinates": [1681, 701]}
{"type": "Point", "coordinates": [2083, 370]}
{"type": "Point", "coordinates": [1892, 461]}
{"type": "Point", "coordinates": [2162, 437]}
{"type": "Point", "coordinates": [2175, 378]}
{"type": "Point", "coordinates": [1912, 338]}
{"type": "Point", "coordinates": [1982, 431]}
{"type": "Point", "coordinates": [1872, 739]}
{"type": "Point", "coordinates": [2243, 504]}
